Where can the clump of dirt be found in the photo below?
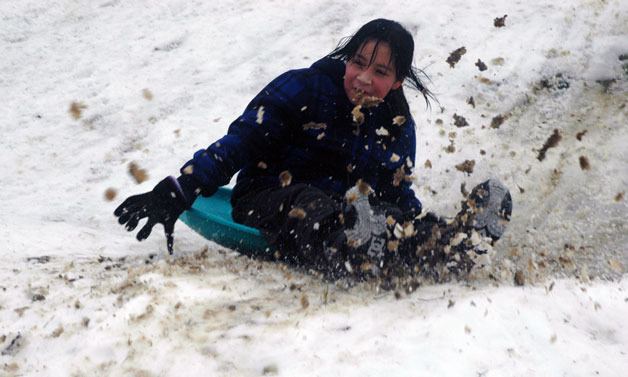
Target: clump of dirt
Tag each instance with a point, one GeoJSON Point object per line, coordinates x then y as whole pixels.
{"type": "Point", "coordinates": [76, 109]}
{"type": "Point", "coordinates": [110, 194]}
{"type": "Point", "coordinates": [500, 21]}
{"type": "Point", "coordinates": [481, 66]}
{"type": "Point", "coordinates": [466, 166]}
{"type": "Point", "coordinates": [551, 142]}
{"type": "Point", "coordinates": [498, 120]}
{"type": "Point", "coordinates": [140, 175]}
{"type": "Point", "coordinates": [580, 134]}
{"type": "Point", "coordinates": [147, 94]}
{"type": "Point", "coordinates": [584, 163]}
{"type": "Point", "coordinates": [455, 55]}
{"type": "Point", "coordinates": [460, 121]}
{"type": "Point", "coordinates": [471, 101]}
{"type": "Point", "coordinates": [285, 178]}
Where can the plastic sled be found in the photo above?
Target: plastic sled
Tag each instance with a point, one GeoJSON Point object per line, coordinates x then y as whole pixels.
{"type": "Point", "coordinates": [211, 218]}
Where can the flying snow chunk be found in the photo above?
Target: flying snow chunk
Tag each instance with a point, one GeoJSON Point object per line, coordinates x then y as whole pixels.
{"type": "Point", "coordinates": [381, 131]}
{"type": "Point", "coordinates": [260, 115]}
{"type": "Point", "coordinates": [399, 120]}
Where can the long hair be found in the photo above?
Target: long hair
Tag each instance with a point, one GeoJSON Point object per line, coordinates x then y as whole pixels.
{"type": "Point", "coordinates": [401, 53]}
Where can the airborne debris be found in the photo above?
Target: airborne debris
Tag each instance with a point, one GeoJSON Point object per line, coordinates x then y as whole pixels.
{"type": "Point", "coordinates": [619, 197]}
{"type": "Point", "coordinates": [110, 194]}
{"type": "Point", "coordinates": [471, 101]}
{"type": "Point", "coordinates": [551, 142]}
{"type": "Point", "coordinates": [460, 121]}
{"type": "Point", "coordinates": [358, 116]}
{"type": "Point", "coordinates": [147, 94]}
{"type": "Point", "coordinates": [481, 66]}
{"type": "Point", "coordinates": [262, 165]}
{"type": "Point", "coordinates": [76, 109]}
{"type": "Point", "coordinates": [381, 132]}
{"type": "Point", "coordinates": [140, 175]}
{"type": "Point", "coordinates": [466, 167]}
{"type": "Point", "coordinates": [454, 56]}
{"type": "Point", "coordinates": [519, 278]}
{"type": "Point", "coordinates": [580, 134]}
{"type": "Point", "coordinates": [584, 163]}
{"type": "Point", "coordinates": [500, 21]}
{"type": "Point", "coordinates": [297, 213]}
{"type": "Point", "coordinates": [498, 120]}
{"type": "Point", "coordinates": [428, 164]}
{"type": "Point", "coordinates": [285, 178]}
{"type": "Point", "coordinates": [314, 126]}
{"type": "Point", "coordinates": [399, 120]}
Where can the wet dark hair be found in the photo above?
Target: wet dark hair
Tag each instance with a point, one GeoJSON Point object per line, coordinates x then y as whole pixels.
{"type": "Point", "coordinates": [401, 53]}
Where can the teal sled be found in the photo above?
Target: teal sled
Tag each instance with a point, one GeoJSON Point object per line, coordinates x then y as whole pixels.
{"type": "Point", "coordinates": [211, 218]}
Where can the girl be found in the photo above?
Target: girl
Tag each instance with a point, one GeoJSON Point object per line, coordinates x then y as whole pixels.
{"type": "Point", "coordinates": [324, 155]}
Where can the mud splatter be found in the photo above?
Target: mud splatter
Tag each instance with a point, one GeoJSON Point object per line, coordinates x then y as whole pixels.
{"type": "Point", "coordinates": [500, 21]}
{"type": "Point", "coordinates": [454, 56]}
{"type": "Point", "coordinates": [481, 66]}
{"type": "Point", "coordinates": [140, 175]}
{"type": "Point", "coordinates": [460, 121]}
{"type": "Point", "coordinates": [551, 142]}
{"type": "Point", "coordinates": [466, 166]}
{"type": "Point", "coordinates": [584, 163]}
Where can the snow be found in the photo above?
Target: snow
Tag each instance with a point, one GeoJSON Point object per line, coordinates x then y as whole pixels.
{"type": "Point", "coordinates": [160, 80]}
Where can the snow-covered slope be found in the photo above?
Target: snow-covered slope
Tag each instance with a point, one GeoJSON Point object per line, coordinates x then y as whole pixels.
{"type": "Point", "coordinates": [152, 82]}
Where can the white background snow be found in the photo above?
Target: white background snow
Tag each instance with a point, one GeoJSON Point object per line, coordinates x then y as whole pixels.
{"type": "Point", "coordinates": [80, 297]}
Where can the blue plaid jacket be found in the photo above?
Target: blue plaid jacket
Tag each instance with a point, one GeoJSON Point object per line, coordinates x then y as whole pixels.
{"type": "Point", "coordinates": [302, 123]}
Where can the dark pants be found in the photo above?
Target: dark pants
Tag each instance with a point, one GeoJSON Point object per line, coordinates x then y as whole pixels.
{"type": "Point", "coordinates": [297, 221]}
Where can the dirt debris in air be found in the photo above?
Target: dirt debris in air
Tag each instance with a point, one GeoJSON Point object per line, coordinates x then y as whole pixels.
{"type": "Point", "coordinates": [481, 65]}
{"type": "Point", "coordinates": [147, 94]}
{"type": "Point", "coordinates": [500, 21]}
{"type": "Point", "coordinates": [551, 142]}
{"type": "Point", "coordinates": [285, 178]}
{"type": "Point", "coordinates": [140, 175]}
{"type": "Point", "coordinates": [498, 120]}
{"type": "Point", "coordinates": [455, 55]}
{"type": "Point", "coordinates": [580, 134]}
{"type": "Point", "coordinates": [466, 166]}
{"type": "Point", "coordinates": [460, 121]}
{"type": "Point", "coordinates": [76, 109]}
{"type": "Point", "coordinates": [584, 163]}
{"type": "Point", "coordinates": [471, 101]}
{"type": "Point", "coordinates": [110, 194]}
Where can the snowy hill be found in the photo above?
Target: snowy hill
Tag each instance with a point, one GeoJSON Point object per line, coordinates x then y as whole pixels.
{"type": "Point", "coordinates": [88, 88]}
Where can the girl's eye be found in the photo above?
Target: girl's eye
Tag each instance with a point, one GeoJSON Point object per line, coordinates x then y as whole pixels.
{"type": "Point", "coordinates": [359, 63]}
{"type": "Point", "coordinates": [382, 72]}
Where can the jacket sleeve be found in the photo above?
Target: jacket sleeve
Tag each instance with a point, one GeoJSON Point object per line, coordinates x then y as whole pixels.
{"type": "Point", "coordinates": [263, 126]}
{"type": "Point", "coordinates": [395, 183]}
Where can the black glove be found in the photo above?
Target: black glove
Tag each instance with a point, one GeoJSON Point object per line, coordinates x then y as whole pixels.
{"type": "Point", "coordinates": [163, 205]}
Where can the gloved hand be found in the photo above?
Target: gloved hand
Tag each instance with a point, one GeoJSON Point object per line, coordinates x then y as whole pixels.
{"type": "Point", "coordinates": [164, 204]}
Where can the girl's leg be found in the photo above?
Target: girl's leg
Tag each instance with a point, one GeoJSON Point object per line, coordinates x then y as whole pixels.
{"type": "Point", "coordinates": [299, 221]}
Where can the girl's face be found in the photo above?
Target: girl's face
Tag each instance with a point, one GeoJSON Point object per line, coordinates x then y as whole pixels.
{"type": "Point", "coordinates": [374, 80]}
